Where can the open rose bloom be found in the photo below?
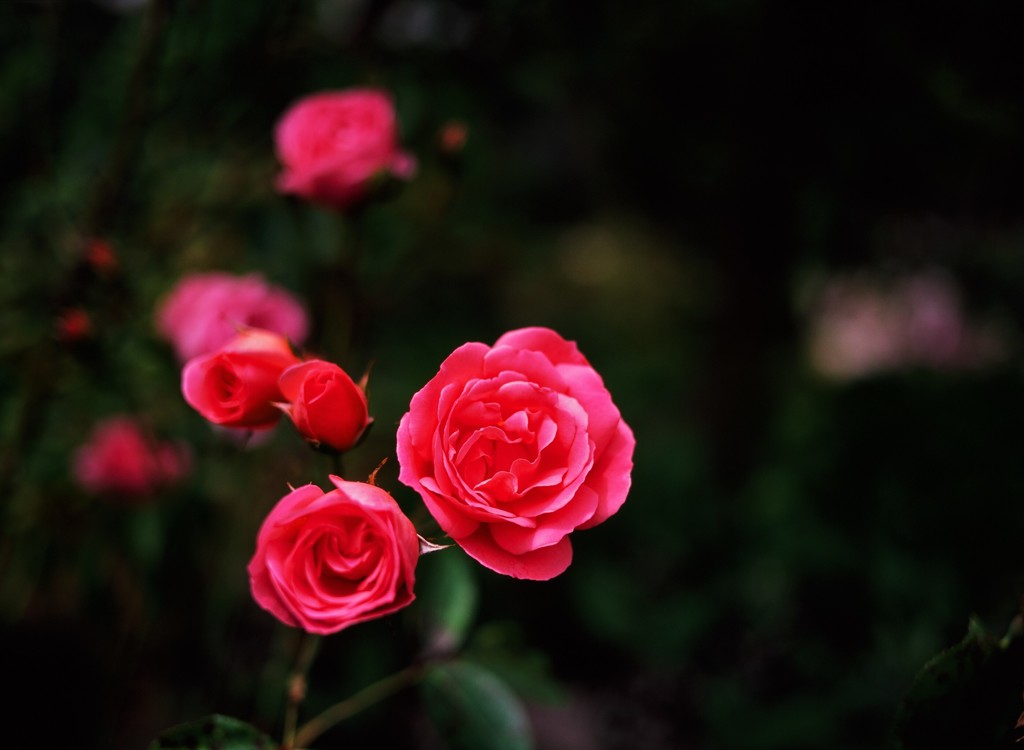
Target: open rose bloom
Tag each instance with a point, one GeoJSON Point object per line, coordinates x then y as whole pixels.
{"type": "Point", "coordinates": [333, 145]}
{"type": "Point", "coordinates": [513, 447]}
{"type": "Point", "coordinates": [325, 561]}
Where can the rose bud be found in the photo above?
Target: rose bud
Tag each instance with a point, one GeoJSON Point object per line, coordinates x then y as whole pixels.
{"type": "Point", "coordinates": [73, 325]}
{"type": "Point", "coordinates": [325, 561]}
{"type": "Point", "coordinates": [236, 386]}
{"type": "Point", "coordinates": [327, 406]}
{"type": "Point", "coordinates": [100, 256]}
{"type": "Point", "coordinates": [452, 137]}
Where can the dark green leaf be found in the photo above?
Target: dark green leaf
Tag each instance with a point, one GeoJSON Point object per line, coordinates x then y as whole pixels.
{"type": "Point", "coordinates": [969, 696]}
{"type": "Point", "coordinates": [448, 596]}
{"type": "Point", "coordinates": [501, 648]}
{"type": "Point", "coordinates": [474, 710]}
{"type": "Point", "coordinates": [214, 732]}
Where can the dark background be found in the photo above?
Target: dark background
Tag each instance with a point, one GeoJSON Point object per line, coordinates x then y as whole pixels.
{"type": "Point", "coordinates": [661, 182]}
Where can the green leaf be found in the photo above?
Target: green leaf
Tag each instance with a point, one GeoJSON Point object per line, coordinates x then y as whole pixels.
{"type": "Point", "coordinates": [969, 696]}
{"type": "Point", "coordinates": [216, 731]}
{"type": "Point", "coordinates": [448, 597]}
{"type": "Point", "coordinates": [501, 648]}
{"type": "Point", "coordinates": [474, 710]}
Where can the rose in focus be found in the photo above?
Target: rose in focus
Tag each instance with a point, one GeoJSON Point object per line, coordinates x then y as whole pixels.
{"type": "Point", "coordinates": [121, 458]}
{"type": "Point", "coordinates": [327, 407]}
{"type": "Point", "coordinates": [237, 386]}
{"type": "Point", "coordinates": [325, 561]}
{"type": "Point", "coordinates": [513, 447]}
{"type": "Point", "coordinates": [334, 144]}
{"type": "Point", "coordinates": [206, 310]}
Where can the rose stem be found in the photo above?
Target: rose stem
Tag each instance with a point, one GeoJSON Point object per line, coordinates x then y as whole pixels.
{"type": "Point", "coordinates": [297, 686]}
{"type": "Point", "coordinates": [356, 240]}
{"type": "Point", "coordinates": [338, 463]}
{"type": "Point", "coordinates": [356, 703]}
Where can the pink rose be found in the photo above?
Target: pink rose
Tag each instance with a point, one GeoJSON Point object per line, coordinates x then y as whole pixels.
{"type": "Point", "coordinates": [513, 447]}
{"type": "Point", "coordinates": [121, 458]}
{"type": "Point", "coordinates": [237, 385]}
{"type": "Point", "coordinates": [325, 561]}
{"type": "Point", "coordinates": [205, 310]}
{"type": "Point", "coordinates": [333, 145]}
{"type": "Point", "coordinates": [326, 405]}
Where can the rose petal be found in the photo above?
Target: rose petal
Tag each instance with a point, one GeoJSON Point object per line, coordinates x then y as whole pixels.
{"type": "Point", "coordinates": [539, 565]}
{"type": "Point", "coordinates": [610, 479]}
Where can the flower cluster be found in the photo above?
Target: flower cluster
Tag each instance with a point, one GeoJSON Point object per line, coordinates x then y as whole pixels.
{"type": "Point", "coordinates": [511, 447]}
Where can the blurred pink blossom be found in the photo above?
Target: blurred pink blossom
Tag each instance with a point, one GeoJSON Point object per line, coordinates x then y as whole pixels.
{"type": "Point", "coordinates": [861, 326]}
{"type": "Point", "coordinates": [334, 145]}
{"type": "Point", "coordinates": [205, 310]}
{"type": "Point", "coordinates": [121, 458]}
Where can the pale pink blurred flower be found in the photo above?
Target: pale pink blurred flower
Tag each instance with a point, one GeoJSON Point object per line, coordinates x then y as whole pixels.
{"type": "Point", "coordinates": [205, 310]}
{"type": "Point", "coordinates": [121, 458]}
{"type": "Point", "coordinates": [861, 326]}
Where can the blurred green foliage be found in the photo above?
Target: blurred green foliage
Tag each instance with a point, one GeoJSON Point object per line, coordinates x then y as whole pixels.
{"type": "Point", "coordinates": [656, 181]}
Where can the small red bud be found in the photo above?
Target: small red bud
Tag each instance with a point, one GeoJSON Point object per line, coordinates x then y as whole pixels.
{"type": "Point", "coordinates": [73, 325]}
{"type": "Point", "coordinates": [100, 256]}
{"type": "Point", "coordinates": [452, 137]}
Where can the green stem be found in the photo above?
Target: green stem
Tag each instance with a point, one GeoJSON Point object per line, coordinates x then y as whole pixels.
{"type": "Point", "coordinates": [365, 698]}
{"type": "Point", "coordinates": [297, 687]}
{"type": "Point", "coordinates": [338, 464]}
{"type": "Point", "coordinates": [1016, 630]}
{"type": "Point", "coordinates": [355, 239]}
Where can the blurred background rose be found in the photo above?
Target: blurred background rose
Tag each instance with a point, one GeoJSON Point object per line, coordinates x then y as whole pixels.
{"type": "Point", "coordinates": [864, 325]}
{"type": "Point", "coordinates": [203, 311]}
{"type": "Point", "coordinates": [120, 458]}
